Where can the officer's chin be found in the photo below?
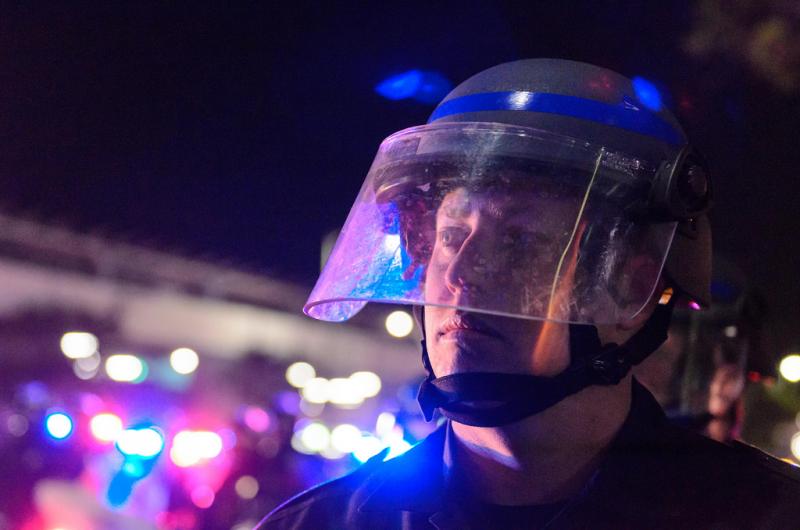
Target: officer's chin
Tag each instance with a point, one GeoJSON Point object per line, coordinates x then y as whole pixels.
{"type": "Point", "coordinates": [460, 355]}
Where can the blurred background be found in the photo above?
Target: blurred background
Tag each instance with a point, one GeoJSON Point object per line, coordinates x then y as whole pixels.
{"type": "Point", "coordinates": [172, 177]}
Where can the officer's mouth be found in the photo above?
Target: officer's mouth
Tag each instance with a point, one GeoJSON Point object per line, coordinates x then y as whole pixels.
{"type": "Point", "coordinates": [461, 326]}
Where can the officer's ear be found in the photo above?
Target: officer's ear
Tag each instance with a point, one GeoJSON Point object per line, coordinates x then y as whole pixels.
{"type": "Point", "coordinates": [620, 332]}
{"type": "Point", "coordinates": [659, 293]}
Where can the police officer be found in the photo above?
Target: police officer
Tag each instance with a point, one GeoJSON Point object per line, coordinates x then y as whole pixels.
{"type": "Point", "coordinates": [544, 223]}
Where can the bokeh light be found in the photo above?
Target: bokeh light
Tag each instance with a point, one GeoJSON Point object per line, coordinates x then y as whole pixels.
{"type": "Point", "coordinates": [87, 367]}
{"type": "Point", "coordinates": [125, 368]}
{"type": "Point", "coordinates": [92, 404]}
{"type": "Point", "coordinates": [17, 425]}
{"type": "Point", "coordinates": [400, 86]}
{"type": "Point", "coordinates": [106, 427]}
{"type": "Point", "coordinates": [145, 442]}
{"type": "Point", "coordinates": [795, 445]}
{"type": "Point", "coordinates": [246, 487]}
{"type": "Point", "coordinates": [790, 368]}
{"type": "Point", "coordinates": [399, 324]}
{"type": "Point", "coordinates": [91, 363]}
{"type": "Point", "coordinates": [34, 394]}
{"type": "Point", "coordinates": [345, 437]}
{"type": "Point", "coordinates": [299, 373]}
{"type": "Point", "coordinates": [316, 390]}
{"type": "Point", "coordinates": [203, 497]}
{"type": "Point", "coordinates": [315, 437]}
{"type": "Point", "coordinates": [297, 444]}
{"type": "Point", "coordinates": [344, 392]}
{"type": "Point", "coordinates": [190, 448]}
{"type": "Point", "coordinates": [647, 93]}
{"type": "Point", "coordinates": [288, 402]}
{"type": "Point", "coordinates": [184, 360]}
{"type": "Point", "coordinates": [384, 424]}
{"type": "Point", "coordinates": [367, 383]}
{"type": "Point", "coordinates": [79, 344]}
{"type": "Point", "coordinates": [422, 85]}
{"type": "Point", "coordinates": [331, 453]}
{"type": "Point", "coordinates": [367, 447]}
{"type": "Point", "coordinates": [58, 425]}
{"type": "Point", "coordinates": [256, 418]}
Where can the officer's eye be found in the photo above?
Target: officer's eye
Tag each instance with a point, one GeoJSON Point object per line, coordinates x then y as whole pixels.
{"type": "Point", "coordinates": [452, 237]}
{"type": "Point", "coordinates": [521, 239]}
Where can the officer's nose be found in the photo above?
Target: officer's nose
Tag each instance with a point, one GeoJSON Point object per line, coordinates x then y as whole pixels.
{"type": "Point", "coordinates": [470, 269]}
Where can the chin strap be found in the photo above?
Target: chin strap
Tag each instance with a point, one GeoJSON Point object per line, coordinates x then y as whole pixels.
{"type": "Point", "coordinates": [486, 399]}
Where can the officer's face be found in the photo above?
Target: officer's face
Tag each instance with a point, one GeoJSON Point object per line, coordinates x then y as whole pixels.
{"type": "Point", "coordinates": [489, 249]}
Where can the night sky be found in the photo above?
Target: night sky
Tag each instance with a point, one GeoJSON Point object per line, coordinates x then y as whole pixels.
{"type": "Point", "coordinates": [242, 135]}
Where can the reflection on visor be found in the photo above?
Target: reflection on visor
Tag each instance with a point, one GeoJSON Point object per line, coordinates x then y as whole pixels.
{"type": "Point", "coordinates": [490, 218]}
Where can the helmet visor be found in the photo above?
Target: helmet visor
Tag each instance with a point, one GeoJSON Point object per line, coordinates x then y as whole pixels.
{"type": "Point", "coordinates": [497, 219]}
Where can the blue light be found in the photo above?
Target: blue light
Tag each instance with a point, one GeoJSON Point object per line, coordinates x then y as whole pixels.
{"type": "Point", "coordinates": [134, 468]}
{"type": "Point", "coordinates": [34, 394]}
{"type": "Point", "coordinates": [58, 425]}
{"type": "Point", "coordinates": [120, 489]}
{"type": "Point", "coordinates": [400, 86]}
{"type": "Point", "coordinates": [647, 93]}
{"type": "Point", "coordinates": [145, 442]}
{"type": "Point", "coordinates": [424, 86]}
{"type": "Point", "coordinates": [367, 447]}
{"type": "Point", "coordinates": [397, 448]}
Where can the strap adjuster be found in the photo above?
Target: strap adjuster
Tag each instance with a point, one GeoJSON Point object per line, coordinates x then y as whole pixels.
{"type": "Point", "coordinates": [610, 367]}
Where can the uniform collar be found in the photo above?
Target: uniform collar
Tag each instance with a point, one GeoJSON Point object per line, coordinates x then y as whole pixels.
{"type": "Point", "coordinates": [414, 482]}
{"type": "Point", "coordinates": [417, 481]}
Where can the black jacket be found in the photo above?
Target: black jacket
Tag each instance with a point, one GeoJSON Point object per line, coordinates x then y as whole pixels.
{"type": "Point", "coordinates": [655, 476]}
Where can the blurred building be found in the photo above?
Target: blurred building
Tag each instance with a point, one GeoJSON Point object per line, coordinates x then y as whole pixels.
{"type": "Point", "coordinates": [214, 350]}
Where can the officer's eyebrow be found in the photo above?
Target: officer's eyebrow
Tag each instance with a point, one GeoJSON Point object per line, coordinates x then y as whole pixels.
{"type": "Point", "coordinates": [455, 205]}
{"type": "Point", "coordinates": [454, 212]}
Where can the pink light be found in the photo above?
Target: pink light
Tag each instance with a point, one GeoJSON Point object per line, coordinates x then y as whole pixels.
{"type": "Point", "coordinates": [257, 419]}
{"type": "Point", "coordinates": [694, 305]}
{"type": "Point", "coordinates": [183, 518]}
{"type": "Point", "coordinates": [203, 496]}
{"type": "Point", "coordinates": [91, 404]}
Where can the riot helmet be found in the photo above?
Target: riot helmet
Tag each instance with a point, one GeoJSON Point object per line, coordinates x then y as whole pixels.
{"type": "Point", "coordinates": [546, 190]}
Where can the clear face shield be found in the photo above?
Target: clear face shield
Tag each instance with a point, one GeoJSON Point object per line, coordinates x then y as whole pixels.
{"type": "Point", "coordinates": [498, 219]}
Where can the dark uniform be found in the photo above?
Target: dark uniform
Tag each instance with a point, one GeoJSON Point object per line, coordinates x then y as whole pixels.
{"type": "Point", "coordinates": [546, 190]}
{"type": "Point", "coordinates": [655, 475]}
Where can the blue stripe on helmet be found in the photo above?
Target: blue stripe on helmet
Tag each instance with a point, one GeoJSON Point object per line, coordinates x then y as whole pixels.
{"type": "Point", "coordinates": [622, 116]}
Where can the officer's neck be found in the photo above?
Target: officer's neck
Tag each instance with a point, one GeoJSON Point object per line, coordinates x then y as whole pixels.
{"type": "Point", "coordinates": [544, 458]}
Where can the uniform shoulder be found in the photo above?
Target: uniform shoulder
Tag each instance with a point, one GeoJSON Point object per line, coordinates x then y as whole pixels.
{"type": "Point", "coordinates": [744, 464]}
{"type": "Point", "coordinates": [768, 464]}
{"type": "Point", "coordinates": [329, 497]}
{"type": "Point", "coordinates": [339, 503]}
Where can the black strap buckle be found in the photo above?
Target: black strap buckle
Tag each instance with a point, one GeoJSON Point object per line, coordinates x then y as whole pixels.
{"type": "Point", "coordinates": [610, 367]}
